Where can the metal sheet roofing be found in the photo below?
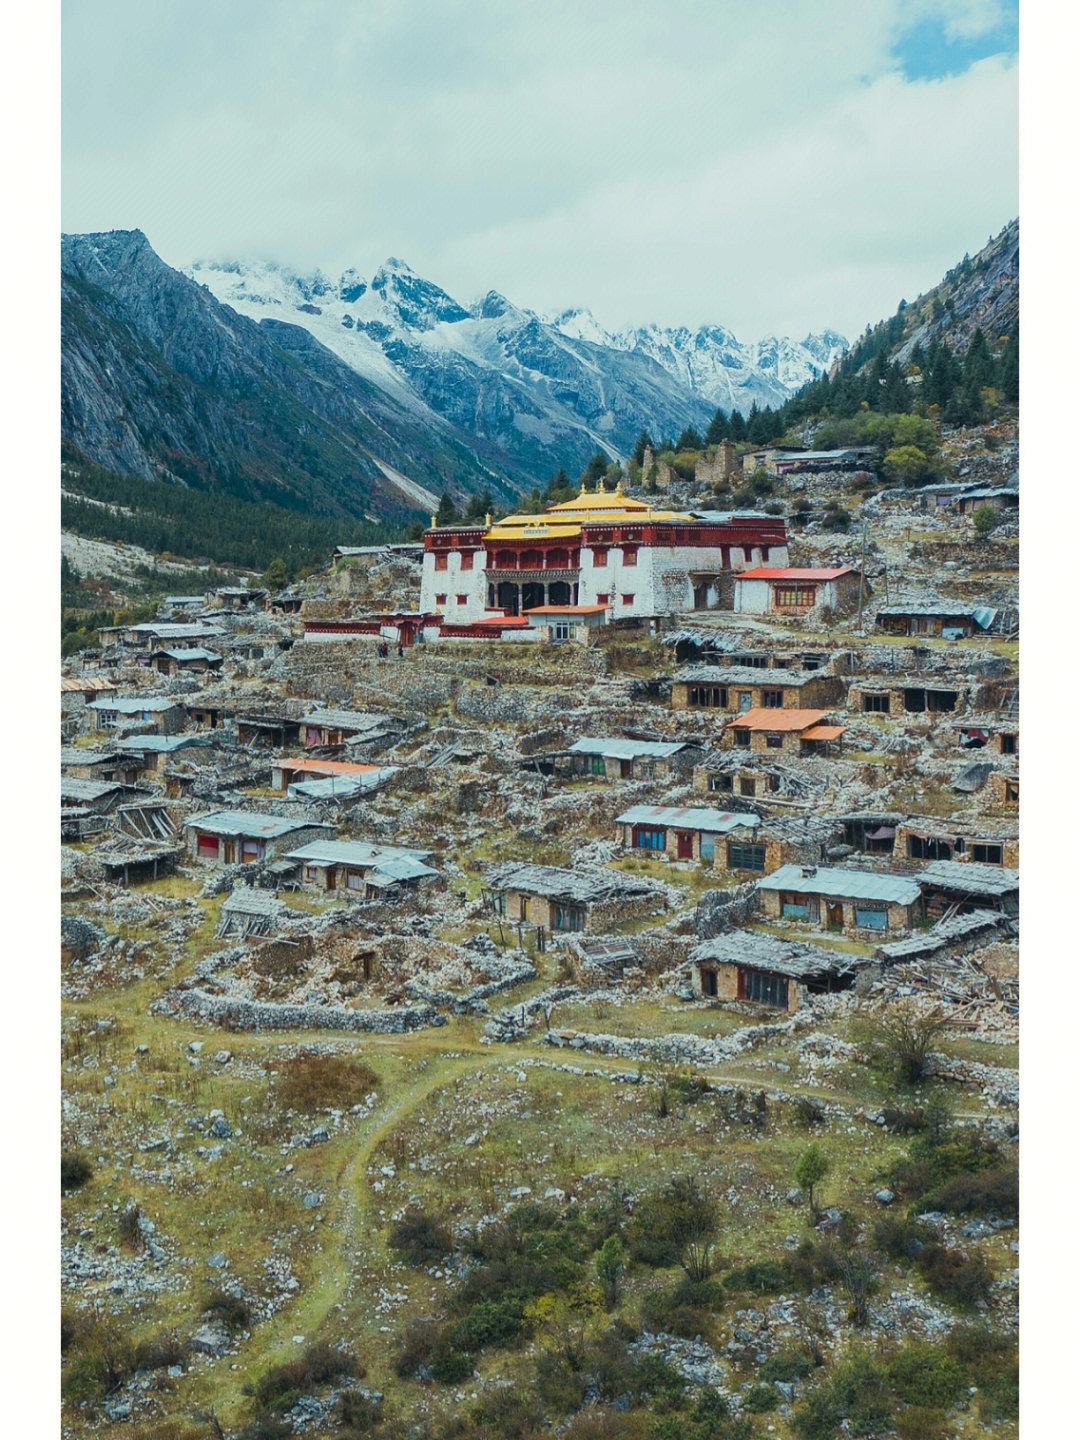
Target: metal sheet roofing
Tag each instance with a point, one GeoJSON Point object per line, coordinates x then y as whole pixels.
{"type": "Point", "coordinates": [824, 732]}
{"type": "Point", "coordinates": [687, 817]}
{"type": "Point", "coordinates": [250, 822]}
{"type": "Point", "coordinates": [969, 878]}
{"type": "Point", "coordinates": [135, 704]}
{"type": "Point", "coordinates": [162, 744]}
{"type": "Point", "coordinates": [73, 755]}
{"type": "Point", "coordinates": [615, 749]}
{"type": "Point", "coordinates": [793, 572]}
{"type": "Point", "coordinates": [325, 767]}
{"type": "Point", "coordinates": [74, 788]}
{"type": "Point", "coordinates": [195, 653]}
{"type": "Point", "coordinates": [339, 787]}
{"type": "Point", "coordinates": [351, 852]}
{"type": "Point", "coordinates": [767, 719]}
{"type": "Point", "coordinates": [80, 684]}
{"type": "Point", "coordinates": [850, 884]}
{"type": "Point", "coordinates": [940, 936]}
{"type": "Point", "coordinates": [577, 886]}
{"type": "Point", "coordinates": [392, 869]}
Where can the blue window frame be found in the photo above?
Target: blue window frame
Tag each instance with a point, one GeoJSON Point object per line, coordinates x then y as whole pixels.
{"type": "Point", "coordinates": [650, 839]}
{"type": "Point", "coordinates": [867, 919]}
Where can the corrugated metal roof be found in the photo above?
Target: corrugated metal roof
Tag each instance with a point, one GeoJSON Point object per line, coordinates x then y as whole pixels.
{"type": "Point", "coordinates": [824, 732]}
{"type": "Point", "coordinates": [195, 653]}
{"type": "Point", "coordinates": [793, 572]}
{"type": "Point", "coordinates": [246, 900]}
{"type": "Point", "coordinates": [767, 719]}
{"type": "Point", "coordinates": [162, 744]}
{"type": "Point", "coordinates": [324, 767]}
{"type": "Point", "coordinates": [687, 817]}
{"type": "Point", "coordinates": [615, 749]}
{"type": "Point", "coordinates": [392, 869]}
{"type": "Point", "coordinates": [250, 822]}
{"type": "Point", "coordinates": [135, 704]}
{"type": "Point", "coordinates": [339, 787]}
{"type": "Point", "coordinates": [72, 755]}
{"type": "Point", "coordinates": [352, 852]}
{"type": "Point", "coordinates": [74, 788]}
{"type": "Point", "coordinates": [850, 884]}
{"type": "Point", "coordinates": [969, 878]}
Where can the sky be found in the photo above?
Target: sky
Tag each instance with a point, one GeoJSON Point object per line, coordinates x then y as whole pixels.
{"type": "Point", "coordinates": [777, 168]}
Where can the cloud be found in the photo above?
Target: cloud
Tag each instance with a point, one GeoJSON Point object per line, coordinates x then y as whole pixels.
{"type": "Point", "coordinates": [768, 167]}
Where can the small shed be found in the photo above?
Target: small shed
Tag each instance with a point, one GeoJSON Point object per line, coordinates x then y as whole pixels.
{"type": "Point", "coordinates": [242, 837]}
{"type": "Point", "coordinates": [681, 832]}
{"type": "Point", "coordinates": [795, 590]}
{"type": "Point", "coordinates": [249, 911]}
{"type": "Point", "coordinates": [615, 758]}
{"type": "Point", "coordinates": [737, 689]}
{"type": "Point", "coordinates": [841, 900]}
{"type": "Point", "coordinates": [745, 965]}
{"type": "Point", "coordinates": [960, 886]}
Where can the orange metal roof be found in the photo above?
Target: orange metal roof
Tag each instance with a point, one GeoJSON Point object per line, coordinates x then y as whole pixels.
{"type": "Point", "coordinates": [788, 572]}
{"type": "Point", "coordinates": [824, 732]}
{"type": "Point", "coordinates": [567, 609]}
{"type": "Point", "coordinates": [767, 719]}
{"type": "Point", "coordinates": [324, 767]}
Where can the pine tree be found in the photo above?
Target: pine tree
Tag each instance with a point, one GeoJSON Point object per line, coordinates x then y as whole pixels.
{"type": "Point", "coordinates": [595, 470]}
{"type": "Point", "coordinates": [1009, 367]}
{"type": "Point", "coordinates": [718, 429]}
{"type": "Point", "coordinates": [736, 426]}
{"type": "Point", "coordinates": [447, 512]}
{"type": "Point", "coordinates": [690, 440]}
{"type": "Point", "coordinates": [644, 442]}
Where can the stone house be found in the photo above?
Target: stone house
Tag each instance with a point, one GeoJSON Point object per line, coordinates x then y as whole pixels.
{"type": "Point", "coordinates": [1003, 790]}
{"type": "Point", "coordinates": [242, 837]}
{"type": "Point", "coordinates": [161, 714]}
{"type": "Point", "coordinates": [333, 727]}
{"type": "Point", "coordinates": [908, 696]}
{"type": "Point", "coordinates": [747, 781]}
{"type": "Point", "coordinates": [961, 886]}
{"type": "Point", "coordinates": [736, 688]}
{"type": "Point", "coordinates": [788, 732]}
{"type": "Point", "coordinates": [361, 869]}
{"type": "Point", "coordinates": [840, 900]}
{"type": "Point", "coordinates": [152, 753]}
{"type": "Point", "coordinates": [568, 901]}
{"type": "Point", "coordinates": [236, 598]}
{"type": "Point", "coordinates": [922, 838]}
{"type": "Point", "coordinates": [83, 764]}
{"type": "Point", "coordinates": [941, 618]}
{"type": "Point", "coordinates": [794, 590]}
{"type": "Point", "coordinates": [762, 851]}
{"type": "Point", "coordinates": [77, 691]}
{"type": "Point", "coordinates": [743, 965]}
{"type": "Point", "coordinates": [194, 661]}
{"type": "Point", "coordinates": [613, 758]}
{"type": "Point", "coordinates": [680, 832]}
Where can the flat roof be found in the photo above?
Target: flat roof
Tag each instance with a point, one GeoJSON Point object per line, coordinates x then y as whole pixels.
{"type": "Point", "coordinates": [134, 704]}
{"type": "Point", "coordinates": [614, 748]}
{"type": "Point", "coordinates": [970, 878]}
{"type": "Point", "coordinates": [164, 744]}
{"type": "Point", "coordinates": [251, 822]}
{"type": "Point", "coordinates": [567, 609]}
{"type": "Point", "coordinates": [834, 880]}
{"type": "Point", "coordinates": [793, 572]}
{"type": "Point", "coordinates": [687, 817]}
{"type": "Point", "coordinates": [323, 767]}
{"type": "Point", "coordinates": [769, 952]}
{"type": "Point", "coordinates": [352, 852]}
{"type": "Point", "coordinates": [824, 732]}
{"type": "Point", "coordinates": [80, 684]}
{"type": "Point", "coordinates": [762, 675]}
{"type": "Point", "coordinates": [778, 719]}
{"type": "Point", "coordinates": [574, 886]}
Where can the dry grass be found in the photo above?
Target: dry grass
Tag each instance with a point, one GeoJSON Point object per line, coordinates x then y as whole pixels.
{"type": "Point", "coordinates": [322, 1082]}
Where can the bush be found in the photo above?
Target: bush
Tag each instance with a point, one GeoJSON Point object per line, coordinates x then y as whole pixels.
{"type": "Point", "coordinates": [808, 1113]}
{"type": "Point", "coordinates": [426, 1342]}
{"type": "Point", "coordinates": [920, 1422]}
{"type": "Point", "coordinates": [990, 1192]}
{"type": "Point", "coordinates": [320, 1082]}
{"type": "Point", "coordinates": [420, 1239]}
{"type": "Point", "coordinates": [450, 1367]}
{"type": "Point", "coordinates": [105, 1361]}
{"type": "Point", "coordinates": [954, 1275]}
{"type": "Point", "coordinates": [788, 1366]}
{"type": "Point", "coordinates": [75, 1171]}
{"type": "Point", "coordinates": [925, 1375]}
{"type": "Point", "coordinates": [491, 1322]}
{"type": "Point", "coordinates": [128, 1225]}
{"type": "Point", "coordinates": [985, 519]}
{"type": "Point", "coordinates": [319, 1365]}
{"type": "Point", "coordinates": [903, 1122]}
{"type": "Point", "coordinates": [900, 1239]}
{"type": "Point", "coordinates": [676, 1226]}
{"type": "Point", "coordinates": [686, 1310]}
{"type": "Point", "coordinates": [760, 1277]}
{"type": "Point", "coordinates": [232, 1311]}
{"type": "Point", "coordinates": [760, 1399]}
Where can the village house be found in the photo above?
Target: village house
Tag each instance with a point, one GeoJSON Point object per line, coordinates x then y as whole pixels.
{"type": "Point", "coordinates": [1001, 741]}
{"type": "Point", "coordinates": [235, 598]}
{"type": "Point", "coordinates": [560, 623]}
{"type": "Point", "coordinates": [680, 832]}
{"type": "Point", "coordinates": [869, 832]}
{"type": "Point", "coordinates": [1003, 790]}
{"type": "Point", "coordinates": [742, 965]}
{"type": "Point", "coordinates": [208, 712]}
{"type": "Point", "coordinates": [953, 887]}
{"type": "Point", "coordinates": [792, 590]}
{"type": "Point", "coordinates": [799, 840]}
{"type": "Point", "coordinates": [361, 869]}
{"type": "Point", "coordinates": [794, 462]}
{"type": "Point", "coordinates": [292, 772]}
{"type": "Point", "coordinates": [789, 732]}
{"type": "Point", "coordinates": [100, 797]}
{"type": "Point", "coordinates": [561, 901]}
{"type": "Point", "coordinates": [174, 605]}
{"type": "Point", "coordinates": [924, 838]}
{"type": "Point", "coordinates": [999, 497]}
{"type": "Point", "coordinates": [84, 764]}
{"type": "Point", "coordinates": [277, 731]}
{"type": "Point", "coordinates": [840, 900]}
{"type": "Point", "coordinates": [76, 691]}
{"type": "Point", "coordinates": [948, 619]}
{"type": "Point", "coordinates": [727, 775]}
{"type": "Point", "coordinates": [616, 759]}
{"type": "Point", "coordinates": [242, 837]}
{"type": "Point", "coordinates": [736, 688]}
{"type": "Point", "coordinates": [323, 727]}
{"type": "Point", "coordinates": [195, 661]}
{"type": "Point", "coordinates": [157, 635]}
{"type": "Point", "coordinates": [600, 549]}
{"type": "Point", "coordinates": [152, 753]}
{"type": "Point", "coordinates": [907, 696]}
{"type": "Point", "coordinates": [162, 714]}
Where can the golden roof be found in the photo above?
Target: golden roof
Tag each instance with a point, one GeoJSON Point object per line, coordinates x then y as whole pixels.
{"type": "Point", "coordinates": [562, 522]}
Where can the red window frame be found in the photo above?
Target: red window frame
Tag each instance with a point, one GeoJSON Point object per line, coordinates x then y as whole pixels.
{"type": "Point", "coordinates": [440, 562]}
{"type": "Point", "coordinates": [440, 599]}
{"type": "Point", "coordinates": [629, 555]}
{"type": "Point", "coordinates": [627, 599]}
{"type": "Point", "coordinates": [467, 559]}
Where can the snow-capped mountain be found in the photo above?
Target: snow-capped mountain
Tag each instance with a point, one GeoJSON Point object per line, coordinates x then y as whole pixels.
{"type": "Point", "coordinates": [546, 392]}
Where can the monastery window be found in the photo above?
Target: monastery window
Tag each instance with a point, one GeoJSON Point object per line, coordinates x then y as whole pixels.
{"type": "Point", "coordinates": [747, 785]}
{"type": "Point", "coordinates": [742, 737]}
{"type": "Point", "coordinates": [764, 989]}
{"type": "Point", "coordinates": [867, 918]}
{"type": "Point", "coordinates": [875, 704]}
{"type": "Point", "coordinates": [462, 599]}
{"type": "Point", "coordinates": [567, 917]}
{"type": "Point", "coordinates": [790, 597]}
{"type": "Point", "coordinates": [774, 742]}
{"type": "Point", "coordinates": [467, 559]}
{"type": "Point", "coordinates": [603, 599]}
{"type": "Point", "coordinates": [1008, 744]}
{"type": "Point", "coordinates": [627, 599]}
{"type": "Point", "coordinates": [354, 879]}
{"type": "Point", "coordinates": [599, 557]}
{"type": "Point", "coordinates": [630, 555]}
{"type": "Point", "coordinates": [440, 599]}
{"type": "Point", "coordinates": [721, 782]}
{"type": "Point", "coordinates": [649, 839]}
{"type": "Point", "coordinates": [440, 562]}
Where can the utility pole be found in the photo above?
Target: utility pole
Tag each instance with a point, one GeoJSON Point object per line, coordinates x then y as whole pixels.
{"type": "Point", "coordinates": [862, 576]}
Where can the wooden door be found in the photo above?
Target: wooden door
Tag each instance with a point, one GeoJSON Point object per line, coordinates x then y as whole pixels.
{"type": "Point", "coordinates": [685, 844]}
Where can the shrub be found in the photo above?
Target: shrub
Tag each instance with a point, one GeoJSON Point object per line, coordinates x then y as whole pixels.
{"type": "Point", "coordinates": [491, 1322]}
{"type": "Point", "coordinates": [808, 1113]}
{"type": "Point", "coordinates": [685, 1310]}
{"type": "Point", "coordinates": [985, 519]}
{"type": "Point", "coordinates": [920, 1422]}
{"type": "Point", "coordinates": [760, 1399]}
{"type": "Point", "coordinates": [677, 1226]}
{"type": "Point", "coordinates": [105, 1361]}
{"type": "Point", "coordinates": [128, 1225]}
{"type": "Point", "coordinates": [75, 1170]}
{"type": "Point", "coordinates": [991, 1192]}
{"type": "Point", "coordinates": [954, 1275]}
{"type": "Point", "coordinates": [266, 1427]}
{"type": "Point", "coordinates": [232, 1311]}
{"type": "Point", "coordinates": [610, 1264]}
{"type": "Point", "coordinates": [858, 1392]}
{"type": "Point", "coordinates": [903, 1040]}
{"type": "Point", "coordinates": [760, 1277]}
{"type": "Point", "coordinates": [787, 1366]}
{"type": "Point", "coordinates": [160, 1351]}
{"type": "Point", "coordinates": [900, 1239]}
{"type": "Point", "coordinates": [319, 1364]}
{"type": "Point", "coordinates": [450, 1367]}
{"type": "Point", "coordinates": [903, 1122]}
{"type": "Point", "coordinates": [982, 1354]}
{"type": "Point", "coordinates": [320, 1082]}
{"type": "Point", "coordinates": [812, 1167]}
{"type": "Point", "coordinates": [925, 1375]}
{"type": "Point", "coordinates": [420, 1239]}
